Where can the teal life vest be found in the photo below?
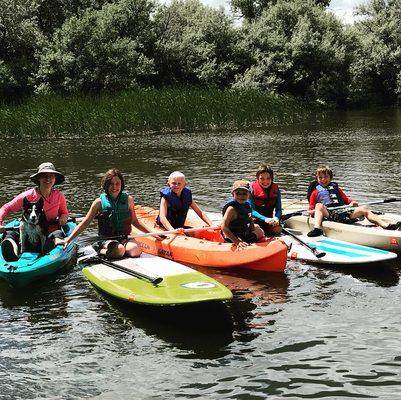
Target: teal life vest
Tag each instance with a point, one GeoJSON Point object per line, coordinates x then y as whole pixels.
{"type": "Point", "coordinates": [115, 217]}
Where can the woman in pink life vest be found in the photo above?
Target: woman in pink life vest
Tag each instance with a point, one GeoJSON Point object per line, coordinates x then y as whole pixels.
{"type": "Point", "coordinates": [54, 207]}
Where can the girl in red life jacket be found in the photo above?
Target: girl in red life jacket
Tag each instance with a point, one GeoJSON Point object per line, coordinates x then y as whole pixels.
{"type": "Point", "coordinates": [265, 201]}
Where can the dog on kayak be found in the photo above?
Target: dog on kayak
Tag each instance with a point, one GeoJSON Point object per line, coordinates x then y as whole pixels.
{"type": "Point", "coordinates": [33, 227]}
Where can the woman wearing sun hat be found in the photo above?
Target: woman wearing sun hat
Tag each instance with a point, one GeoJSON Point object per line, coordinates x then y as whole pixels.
{"type": "Point", "coordinates": [54, 207]}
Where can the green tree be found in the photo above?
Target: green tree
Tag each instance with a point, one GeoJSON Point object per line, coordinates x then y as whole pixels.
{"type": "Point", "coordinates": [252, 9]}
{"type": "Point", "coordinates": [195, 45]}
{"type": "Point", "coordinates": [103, 50]}
{"type": "Point", "coordinates": [376, 70]}
{"type": "Point", "coordinates": [19, 40]}
{"type": "Point", "coordinates": [298, 48]}
{"type": "Point", "coordinates": [52, 14]}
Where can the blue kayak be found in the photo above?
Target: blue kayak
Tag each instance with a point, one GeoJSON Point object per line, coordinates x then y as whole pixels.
{"type": "Point", "coordinates": [33, 266]}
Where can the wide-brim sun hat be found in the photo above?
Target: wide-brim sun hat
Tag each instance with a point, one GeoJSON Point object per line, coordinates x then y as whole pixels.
{"type": "Point", "coordinates": [47, 168]}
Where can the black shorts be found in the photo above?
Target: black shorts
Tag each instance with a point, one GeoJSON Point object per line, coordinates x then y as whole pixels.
{"type": "Point", "coordinates": [342, 215]}
{"type": "Point", "coordinates": [247, 238]}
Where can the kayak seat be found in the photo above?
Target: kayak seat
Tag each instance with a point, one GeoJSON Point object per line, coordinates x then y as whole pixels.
{"type": "Point", "coordinates": [213, 235]}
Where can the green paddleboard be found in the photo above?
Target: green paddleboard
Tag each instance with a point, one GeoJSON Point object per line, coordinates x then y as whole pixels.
{"type": "Point", "coordinates": [180, 284]}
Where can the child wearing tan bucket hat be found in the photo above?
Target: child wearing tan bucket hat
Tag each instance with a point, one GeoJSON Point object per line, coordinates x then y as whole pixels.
{"type": "Point", "coordinates": [54, 207]}
{"type": "Point", "coordinates": [241, 184]}
{"type": "Point", "coordinates": [237, 225]}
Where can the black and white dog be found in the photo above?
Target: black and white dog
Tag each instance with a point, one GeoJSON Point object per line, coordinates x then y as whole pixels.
{"type": "Point", "coordinates": [33, 227]}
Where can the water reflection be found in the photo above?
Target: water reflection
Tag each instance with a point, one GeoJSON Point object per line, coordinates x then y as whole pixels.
{"type": "Point", "coordinates": [381, 274]}
{"type": "Point", "coordinates": [203, 330]}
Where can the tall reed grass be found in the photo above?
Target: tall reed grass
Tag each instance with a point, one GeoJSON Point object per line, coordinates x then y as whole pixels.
{"type": "Point", "coordinates": [149, 110]}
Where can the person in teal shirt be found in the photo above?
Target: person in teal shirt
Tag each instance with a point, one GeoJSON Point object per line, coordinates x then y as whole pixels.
{"type": "Point", "coordinates": [115, 210]}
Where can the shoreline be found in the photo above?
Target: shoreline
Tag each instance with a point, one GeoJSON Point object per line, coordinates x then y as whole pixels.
{"type": "Point", "coordinates": [151, 110]}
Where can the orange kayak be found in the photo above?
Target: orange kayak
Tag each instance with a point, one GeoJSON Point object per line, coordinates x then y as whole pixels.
{"type": "Point", "coordinates": [208, 249]}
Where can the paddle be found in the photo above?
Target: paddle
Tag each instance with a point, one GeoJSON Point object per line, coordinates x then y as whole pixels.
{"type": "Point", "coordinates": [155, 280]}
{"type": "Point", "coordinates": [370, 203]}
{"type": "Point", "coordinates": [93, 239]}
{"type": "Point", "coordinates": [14, 228]}
{"type": "Point", "coordinates": [316, 252]}
{"type": "Point", "coordinates": [76, 217]}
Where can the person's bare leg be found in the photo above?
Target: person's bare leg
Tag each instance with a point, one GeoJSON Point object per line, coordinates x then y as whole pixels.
{"type": "Point", "coordinates": [132, 249]}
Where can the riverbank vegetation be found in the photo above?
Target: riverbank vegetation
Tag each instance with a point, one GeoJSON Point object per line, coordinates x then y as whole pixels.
{"type": "Point", "coordinates": [102, 48]}
{"type": "Point", "coordinates": [149, 110]}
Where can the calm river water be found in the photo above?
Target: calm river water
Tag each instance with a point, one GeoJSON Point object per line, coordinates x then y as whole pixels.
{"type": "Point", "coordinates": [309, 333]}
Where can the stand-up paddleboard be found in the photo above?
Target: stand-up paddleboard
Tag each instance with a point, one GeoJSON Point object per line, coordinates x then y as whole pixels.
{"type": "Point", "coordinates": [337, 251]}
{"type": "Point", "coordinates": [178, 284]}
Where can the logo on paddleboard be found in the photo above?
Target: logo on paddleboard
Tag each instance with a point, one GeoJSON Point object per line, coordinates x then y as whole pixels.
{"type": "Point", "coordinates": [198, 285]}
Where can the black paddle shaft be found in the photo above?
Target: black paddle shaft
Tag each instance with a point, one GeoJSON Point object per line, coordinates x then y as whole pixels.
{"type": "Point", "coordinates": [317, 253]}
{"type": "Point", "coordinates": [100, 238]}
{"type": "Point", "coordinates": [155, 280]}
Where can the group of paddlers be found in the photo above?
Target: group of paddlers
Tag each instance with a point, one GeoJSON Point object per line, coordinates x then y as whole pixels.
{"type": "Point", "coordinates": [253, 213]}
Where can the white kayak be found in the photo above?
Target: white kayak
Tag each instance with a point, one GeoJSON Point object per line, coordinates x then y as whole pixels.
{"type": "Point", "coordinates": [361, 232]}
{"type": "Point", "coordinates": [336, 251]}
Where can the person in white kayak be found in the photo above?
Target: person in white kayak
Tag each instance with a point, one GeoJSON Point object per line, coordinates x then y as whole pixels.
{"type": "Point", "coordinates": [327, 194]}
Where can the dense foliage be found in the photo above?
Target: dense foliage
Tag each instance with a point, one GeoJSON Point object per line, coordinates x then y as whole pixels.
{"type": "Point", "coordinates": [252, 9]}
{"type": "Point", "coordinates": [294, 47]}
{"type": "Point", "coordinates": [19, 40]}
{"type": "Point", "coordinates": [107, 49]}
{"type": "Point", "coordinates": [195, 44]}
{"type": "Point", "coordinates": [297, 48]}
{"type": "Point", "coordinates": [166, 109]}
{"type": "Point", "coordinates": [376, 70]}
